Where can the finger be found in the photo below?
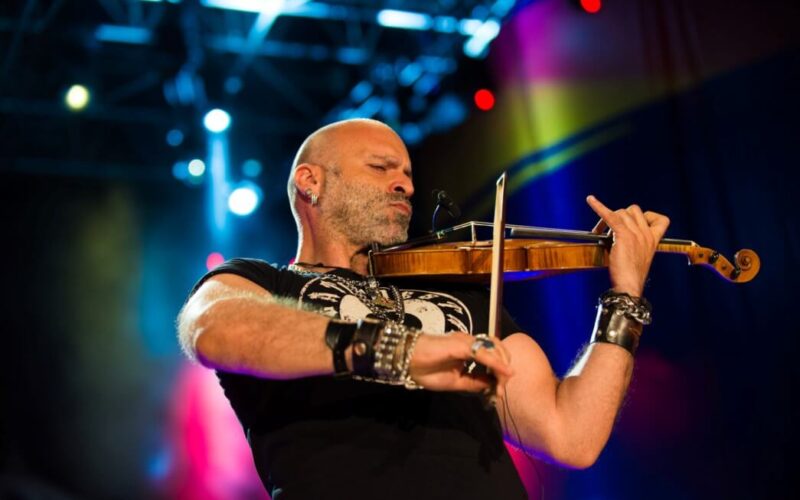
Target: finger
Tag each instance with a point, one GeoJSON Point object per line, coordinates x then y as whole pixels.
{"type": "Point", "coordinates": [600, 227]}
{"type": "Point", "coordinates": [658, 224]}
{"type": "Point", "coordinates": [502, 350]}
{"type": "Point", "coordinates": [474, 383]}
{"type": "Point", "coordinates": [492, 360]}
{"type": "Point", "coordinates": [607, 216]}
{"type": "Point", "coordinates": [636, 212]}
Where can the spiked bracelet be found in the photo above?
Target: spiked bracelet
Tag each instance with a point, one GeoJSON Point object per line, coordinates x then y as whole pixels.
{"type": "Point", "coordinates": [393, 349]}
{"type": "Point", "coordinates": [620, 320]}
{"type": "Point", "coordinates": [635, 308]}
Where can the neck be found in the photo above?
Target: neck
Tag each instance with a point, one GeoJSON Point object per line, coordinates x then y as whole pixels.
{"type": "Point", "coordinates": [330, 250]}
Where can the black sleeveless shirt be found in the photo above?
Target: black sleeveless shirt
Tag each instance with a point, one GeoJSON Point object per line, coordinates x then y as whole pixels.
{"type": "Point", "coordinates": [321, 437]}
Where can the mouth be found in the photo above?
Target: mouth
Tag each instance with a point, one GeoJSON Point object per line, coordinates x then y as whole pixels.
{"type": "Point", "coordinates": [403, 207]}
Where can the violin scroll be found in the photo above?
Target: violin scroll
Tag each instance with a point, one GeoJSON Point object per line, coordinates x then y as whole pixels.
{"type": "Point", "coordinates": [744, 268]}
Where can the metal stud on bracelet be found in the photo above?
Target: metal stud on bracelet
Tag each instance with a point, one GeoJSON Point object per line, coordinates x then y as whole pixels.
{"type": "Point", "coordinates": [620, 320]}
{"type": "Point", "coordinates": [364, 341]}
{"type": "Point", "coordinates": [612, 326]}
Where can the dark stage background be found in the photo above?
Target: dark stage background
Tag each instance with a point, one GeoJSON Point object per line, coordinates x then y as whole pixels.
{"type": "Point", "coordinates": [689, 108]}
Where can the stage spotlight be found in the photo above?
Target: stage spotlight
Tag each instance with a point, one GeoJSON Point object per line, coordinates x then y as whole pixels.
{"type": "Point", "coordinates": [391, 18]}
{"type": "Point", "coordinates": [591, 6]}
{"type": "Point", "coordinates": [77, 97]}
{"type": "Point", "coordinates": [174, 137]}
{"type": "Point", "coordinates": [477, 45]}
{"type": "Point", "coordinates": [197, 167]}
{"type": "Point", "coordinates": [180, 170]}
{"type": "Point", "coordinates": [251, 168]}
{"type": "Point", "coordinates": [217, 120]}
{"type": "Point", "coordinates": [213, 260]}
{"type": "Point", "coordinates": [484, 99]}
{"type": "Point", "coordinates": [244, 199]}
{"type": "Point", "coordinates": [233, 85]}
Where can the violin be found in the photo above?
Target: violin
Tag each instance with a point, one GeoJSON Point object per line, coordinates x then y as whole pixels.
{"type": "Point", "coordinates": [533, 253]}
{"type": "Point", "coordinates": [529, 253]}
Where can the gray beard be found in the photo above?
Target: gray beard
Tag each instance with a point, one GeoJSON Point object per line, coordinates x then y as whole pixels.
{"type": "Point", "coordinates": [358, 212]}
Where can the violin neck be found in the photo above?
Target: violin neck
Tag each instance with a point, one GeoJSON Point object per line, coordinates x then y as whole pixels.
{"type": "Point", "coordinates": [670, 245]}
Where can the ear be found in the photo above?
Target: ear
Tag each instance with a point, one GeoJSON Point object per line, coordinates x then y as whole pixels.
{"type": "Point", "coordinates": [309, 176]}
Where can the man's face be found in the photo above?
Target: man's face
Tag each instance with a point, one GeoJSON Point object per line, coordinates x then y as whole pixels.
{"type": "Point", "coordinates": [366, 192]}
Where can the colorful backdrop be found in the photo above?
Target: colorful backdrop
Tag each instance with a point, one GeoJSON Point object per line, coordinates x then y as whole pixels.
{"type": "Point", "coordinates": [688, 108]}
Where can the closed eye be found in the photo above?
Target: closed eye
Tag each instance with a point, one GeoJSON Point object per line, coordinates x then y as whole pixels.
{"type": "Point", "coordinates": [382, 168]}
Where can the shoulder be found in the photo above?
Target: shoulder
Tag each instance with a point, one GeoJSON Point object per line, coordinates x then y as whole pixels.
{"type": "Point", "coordinates": [255, 271]}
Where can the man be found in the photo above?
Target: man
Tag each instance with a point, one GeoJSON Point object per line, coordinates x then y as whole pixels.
{"type": "Point", "coordinates": [270, 335]}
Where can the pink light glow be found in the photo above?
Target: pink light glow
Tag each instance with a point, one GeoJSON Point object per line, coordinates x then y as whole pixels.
{"type": "Point", "coordinates": [211, 459]}
{"type": "Point", "coordinates": [213, 260]}
{"type": "Point", "coordinates": [665, 401]}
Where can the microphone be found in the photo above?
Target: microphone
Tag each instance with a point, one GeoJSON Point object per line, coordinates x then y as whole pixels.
{"type": "Point", "coordinates": [444, 201]}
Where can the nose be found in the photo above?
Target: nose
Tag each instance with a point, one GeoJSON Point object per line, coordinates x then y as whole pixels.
{"type": "Point", "coordinates": [402, 184]}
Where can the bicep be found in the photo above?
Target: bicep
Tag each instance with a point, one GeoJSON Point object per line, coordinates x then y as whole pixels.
{"type": "Point", "coordinates": [528, 410]}
{"type": "Point", "coordinates": [216, 288]}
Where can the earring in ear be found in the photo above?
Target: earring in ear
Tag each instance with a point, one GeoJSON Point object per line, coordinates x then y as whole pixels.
{"type": "Point", "coordinates": [313, 197]}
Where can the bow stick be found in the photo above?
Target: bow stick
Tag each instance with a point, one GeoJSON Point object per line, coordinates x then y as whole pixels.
{"type": "Point", "coordinates": [496, 283]}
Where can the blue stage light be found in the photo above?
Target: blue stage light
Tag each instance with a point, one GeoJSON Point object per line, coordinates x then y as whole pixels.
{"type": "Point", "coordinates": [352, 55]}
{"type": "Point", "coordinates": [174, 137]}
{"type": "Point", "coordinates": [370, 107]}
{"type": "Point", "coordinates": [426, 84]}
{"type": "Point", "coordinates": [445, 24]}
{"type": "Point", "coordinates": [255, 6]}
{"type": "Point", "coordinates": [411, 133]}
{"type": "Point", "coordinates": [409, 74]}
{"type": "Point", "coordinates": [251, 168]}
{"type": "Point", "coordinates": [233, 85]}
{"type": "Point", "coordinates": [361, 91]}
{"type": "Point", "coordinates": [217, 120]}
{"type": "Point", "coordinates": [197, 167]}
{"type": "Point", "coordinates": [476, 45]}
{"type": "Point", "coordinates": [244, 199]}
{"type": "Point", "coordinates": [123, 34]}
{"type": "Point", "coordinates": [403, 19]}
{"type": "Point", "coordinates": [180, 170]}
{"type": "Point", "coordinates": [446, 113]}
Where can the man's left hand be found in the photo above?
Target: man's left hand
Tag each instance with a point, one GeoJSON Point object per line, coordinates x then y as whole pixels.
{"type": "Point", "coordinates": [636, 235]}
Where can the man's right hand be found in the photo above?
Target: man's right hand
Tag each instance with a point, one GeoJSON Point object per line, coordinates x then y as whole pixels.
{"type": "Point", "coordinates": [438, 364]}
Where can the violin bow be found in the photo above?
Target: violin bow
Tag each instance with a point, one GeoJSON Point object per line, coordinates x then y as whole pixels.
{"type": "Point", "coordinates": [496, 283]}
{"type": "Point", "coordinates": [498, 245]}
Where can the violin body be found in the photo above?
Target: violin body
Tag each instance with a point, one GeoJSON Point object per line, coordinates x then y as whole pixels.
{"type": "Point", "coordinates": [470, 261]}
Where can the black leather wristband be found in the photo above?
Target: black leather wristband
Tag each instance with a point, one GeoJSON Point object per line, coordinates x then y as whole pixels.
{"type": "Point", "coordinates": [613, 326]}
{"type": "Point", "coordinates": [338, 336]}
{"type": "Point", "coordinates": [364, 347]}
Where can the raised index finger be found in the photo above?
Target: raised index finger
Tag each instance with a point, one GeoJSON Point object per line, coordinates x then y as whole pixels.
{"type": "Point", "coordinates": [603, 211]}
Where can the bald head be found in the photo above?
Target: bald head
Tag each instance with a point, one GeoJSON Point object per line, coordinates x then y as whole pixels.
{"type": "Point", "coordinates": [327, 146]}
{"type": "Point", "coordinates": [324, 145]}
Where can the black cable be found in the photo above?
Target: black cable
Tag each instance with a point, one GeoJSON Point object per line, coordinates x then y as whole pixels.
{"type": "Point", "coordinates": [521, 445]}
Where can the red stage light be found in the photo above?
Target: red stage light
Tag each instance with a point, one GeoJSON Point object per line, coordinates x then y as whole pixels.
{"type": "Point", "coordinates": [591, 6]}
{"type": "Point", "coordinates": [213, 260]}
{"type": "Point", "coordinates": [484, 100]}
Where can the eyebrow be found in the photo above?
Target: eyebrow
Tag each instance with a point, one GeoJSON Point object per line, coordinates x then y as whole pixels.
{"type": "Point", "coordinates": [393, 160]}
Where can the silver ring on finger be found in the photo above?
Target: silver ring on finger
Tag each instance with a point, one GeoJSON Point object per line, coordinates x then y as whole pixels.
{"type": "Point", "coordinates": [481, 343]}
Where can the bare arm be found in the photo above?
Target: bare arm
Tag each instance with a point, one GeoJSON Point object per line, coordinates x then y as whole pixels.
{"type": "Point", "coordinates": [570, 421]}
{"type": "Point", "coordinates": [232, 324]}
